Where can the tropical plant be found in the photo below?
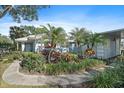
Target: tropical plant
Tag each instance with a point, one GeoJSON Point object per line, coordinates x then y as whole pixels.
{"type": "Point", "coordinates": [55, 35]}
{"type": "Point", "coordinates": [79, 35]}
{"type": "Point", "coordinates": [31, 61]}
{"type": "Point", "coordinates": [93, 39]}
{"type": "Point", "coordinates": [18, 12]}
{"type": "Point", "coordinates": [62, 67]}
{"type": "Point", "coordinates": [69, 57]}
{"type": "Point", "coordinates": [89, 52]}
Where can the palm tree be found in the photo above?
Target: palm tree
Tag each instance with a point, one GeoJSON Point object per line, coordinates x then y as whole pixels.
{"type": "Point", "coordinates": [79, 35]}
{"type": "Point", "coordinates": [18, 12]}
{"type": "Point", "coordinates": [55, 35]}
{"type": "Point", "coordinates": [93, 39]}
{"type": "Point", "coordinates": [47, 30]}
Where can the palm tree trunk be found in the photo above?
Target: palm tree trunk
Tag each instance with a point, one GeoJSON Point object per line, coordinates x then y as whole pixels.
{"type": "Point", "coordinates": [78, 49]}
{"type": "Point", "coordinates": [92, 46]}
{"type": "Point", "coordinates": [88, 46]}
{"type": "Point", "coordinates": [49, 56]}
{"type": "Point", "coordinates": [52, 48]}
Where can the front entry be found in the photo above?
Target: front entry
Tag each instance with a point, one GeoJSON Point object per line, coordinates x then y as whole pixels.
{"type": "Point", "coordinates": [29, 47]}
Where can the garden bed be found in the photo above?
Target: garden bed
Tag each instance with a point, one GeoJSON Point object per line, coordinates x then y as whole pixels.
{"type": "Point", "coordinates": [35, 64]}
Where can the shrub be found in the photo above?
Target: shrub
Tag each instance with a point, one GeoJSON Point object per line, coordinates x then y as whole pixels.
{"type": "Point", "coordinates": [107, 79]}
{"type": "Point", "coordinates": [60, 68]}
{"type": "Point", "coordinates": [69, 57]}
{"type": "Point", "coordinates": [16, 55]}
{"type": "Point", "coordinates": [35, 62]}
{"type": "Point", "coordinates": [110, 78]}
{"type": "Point", "coordinates": [65, 67]}
{"type": "Point", "coordinates": [57, 56]}
{"type": "Point", "coordinates": [10, 57]}
{"type": "Point", "coordinates": [88, 63]}
{"type": "Point", "coordinates": [120, 58]}
{"type": "Point", "coordinates": [89, 52]}
{"type": "Point", "coordinates": [54, 55]}
{"type": "Point", "coordinates": [31, 61]}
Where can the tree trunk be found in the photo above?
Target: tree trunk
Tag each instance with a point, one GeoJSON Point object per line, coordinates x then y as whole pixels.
{"type": "Point", "coordinates": [78, 49]}
{"type": "Point", "coordinates": [49, 56]}
{"type": "Point", "coordinates": [8, 8]}
{"type": "Point", "coordinates": [92, 45]}
{"type": "Point", "coordinates": [88, 46]}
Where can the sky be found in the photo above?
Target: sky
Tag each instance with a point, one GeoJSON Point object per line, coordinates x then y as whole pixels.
{"type": "Point", "coordinates": [92, 17]}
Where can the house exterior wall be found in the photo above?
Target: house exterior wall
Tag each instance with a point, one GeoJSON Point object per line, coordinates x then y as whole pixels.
{"type": "Point", "coordinates": [23, 47]}
{"type": "Point", "coordinates": [110, 49]}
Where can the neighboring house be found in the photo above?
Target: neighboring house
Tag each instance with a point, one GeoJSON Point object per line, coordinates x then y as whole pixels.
{"type": "Point", "coordinates": [31, 43]}
{"type": "Point", "coordinates": [34, 43]}
{"type": "Point", "coordinates": [110, 49]}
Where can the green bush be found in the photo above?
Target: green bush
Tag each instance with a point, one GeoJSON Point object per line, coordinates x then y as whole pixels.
{"type": "Point", "coordinates": [16, 55]}
{"type": "Point", "coordinates": [31, 55]}
{"type": "Point", "coordinates": [31, 61]}
{"type": "Point", "coordinates": [113, 77]}
{"type": "Point", "coordinates": [36, 63]}
{"type": "Point", "coordinates": [107, 79]}
{"type": "Point", "coordinates": [60, 68]}
{"type": "Point", "coordinates": [120, 58]}
{"type": "Point", "coordinates": [65, 67]}
{"type": "Point", "coordinates": [88, 63]}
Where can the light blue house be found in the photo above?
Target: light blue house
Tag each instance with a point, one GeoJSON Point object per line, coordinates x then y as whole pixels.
{"type": "Point", "coordinates": [111, 48]}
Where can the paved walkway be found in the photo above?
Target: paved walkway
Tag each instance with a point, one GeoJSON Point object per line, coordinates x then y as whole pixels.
{"type": "Point", "coordinates": [13, 76]}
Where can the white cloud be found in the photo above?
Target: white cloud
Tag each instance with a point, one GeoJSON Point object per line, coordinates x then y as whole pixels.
{"type": "Point", "coordinates": [96, 24]}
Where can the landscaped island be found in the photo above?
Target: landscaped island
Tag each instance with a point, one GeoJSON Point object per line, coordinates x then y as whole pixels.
{"type": "Point", "coordinates": [67, 64]}
{"type": "Point", "coordinates": [34, 64]}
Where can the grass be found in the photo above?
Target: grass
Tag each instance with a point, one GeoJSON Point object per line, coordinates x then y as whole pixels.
{"type": "Point", "coordinates": [3, 84]}
{"type": "Point", "coordinates": [111, 78]}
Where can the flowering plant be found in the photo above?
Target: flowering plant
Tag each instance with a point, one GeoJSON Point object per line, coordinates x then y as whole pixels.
{"type": "Point", "coordinates": [89, 52]}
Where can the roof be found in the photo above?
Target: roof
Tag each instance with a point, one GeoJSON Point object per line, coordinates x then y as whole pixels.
{"type": "Point", "coordinates": [29, 38]}
{"type": "Point", "coordinates": [112, 31]}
